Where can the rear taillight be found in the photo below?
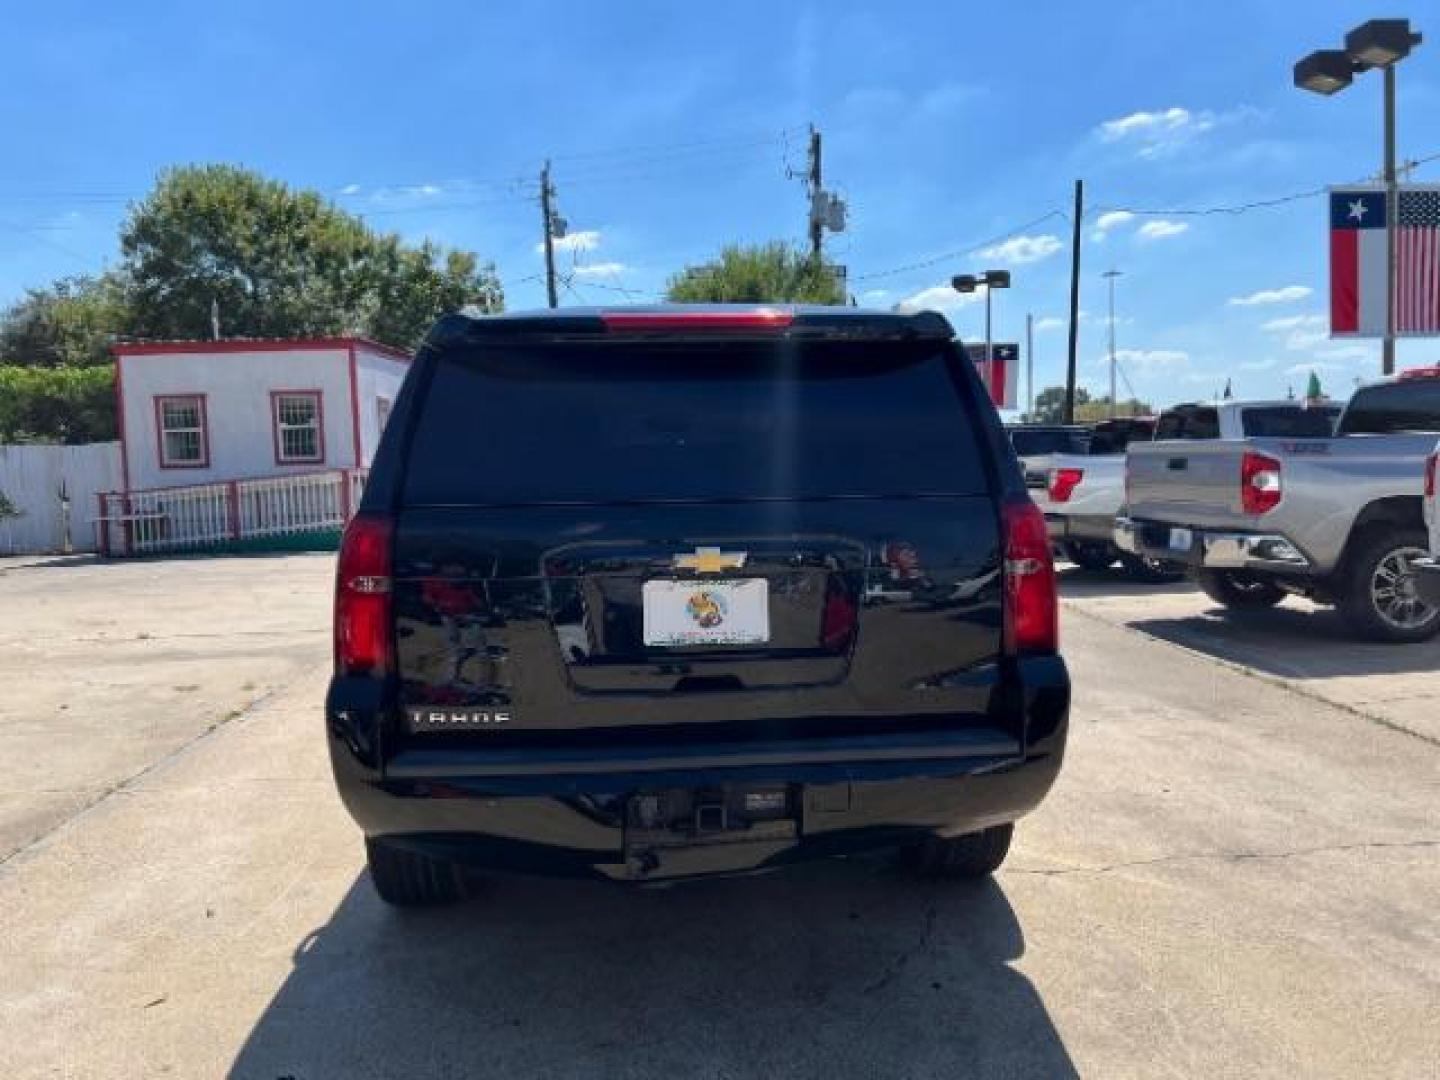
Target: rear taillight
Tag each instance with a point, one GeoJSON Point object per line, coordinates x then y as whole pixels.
{"type": "Point", "coordinates": [837, 622]}
{"type": "Point", "coordinates": [1063, 483]}
{"type": "Point", "coordinates": [1031, 608]}
{"type": "Point", "coordinates": [362, 598]}
{"type": "Point", "coordinates": [1432, 465]}
{"type": "Point", "coordinates": [1260, 485]}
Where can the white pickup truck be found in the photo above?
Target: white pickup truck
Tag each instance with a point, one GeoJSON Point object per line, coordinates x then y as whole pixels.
{"type": "Point", "coordinates": [1427, 571]}
{"type": "Point", "coordinates": [1081, 494]}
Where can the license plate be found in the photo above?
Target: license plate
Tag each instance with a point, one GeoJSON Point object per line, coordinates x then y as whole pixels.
{"type": "Point", "coordinates": [677, 613]}
{"type": "Point", "coordinates": [1181, 539]}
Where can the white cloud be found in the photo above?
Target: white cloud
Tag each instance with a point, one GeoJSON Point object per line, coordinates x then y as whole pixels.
{"type": "Point", "coordinates": [1347, 352]}
{"type": "Point", "coordinates": [1300, 340]}
{"type": "Point", "coordinates": [1158, 133]}
{"type": "Point", "coordinates": [1023, 249]}
{"type": "Point", "coordinates": [1143, 122]}
{"type": "Point", "coordinates": [1284, 295]}
{"type": "Point", "coordinates": [1109, 220]}
{"type": "Point", "coordinates": [350, 189]}
{"type": "Point", "coordinates": [1257, 365]}
{"type": "Point", "coordinates": [1150, 359]}
{"type": "Point", "coordinates": [1162, 229]}
{"type": "Point", "coordinates": [584, 240]}
{"type": "Point", "coordinates": [1050, 322]}
{"type": "Point", "coordinates": [1296, 322]}
{"type": "Point", "coordinates": [603, 269]}
{"type": "Point", "coordinates": [874, 296]}
{"type": "Point", "coordinates": [1301, 332]}
{"type": "Point", "coordinates": [942, 298]}
{"type": "Point", "coordinates": [1313, 365]}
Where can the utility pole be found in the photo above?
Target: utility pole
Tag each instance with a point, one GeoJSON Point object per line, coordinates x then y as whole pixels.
{"type": "Point", "coordinates": [1074, 301]}
{"type": "Point", "coordinates": [815, 189]}
{"type": "Point", "coordinates": [1111, 275]}
{"type": "Point", "coordinates": [547, 221]}
{"type": "Point", "coordinates": [1392, 211]}
{"type": "Point", "coordinates": [1029, 365]}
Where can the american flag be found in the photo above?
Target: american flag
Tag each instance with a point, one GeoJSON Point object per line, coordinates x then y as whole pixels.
{"type": "Point", "coordinates": [1417, 262]}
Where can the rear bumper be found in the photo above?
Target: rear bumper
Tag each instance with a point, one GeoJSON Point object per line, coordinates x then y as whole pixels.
{"type": "Point", "coordinates": [1209, 548]}
{"type": "Point", "coordinates": [1427, 580]}
{"type": "Point", "coordinates": [548, 813]}
{"type": "Point", "coordinates": [1092, 528]}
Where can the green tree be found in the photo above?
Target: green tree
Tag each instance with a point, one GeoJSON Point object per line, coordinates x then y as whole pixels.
{"type": "Point", "coordinates": [1050, 404]}
{"type": "Point", "coordinates": [282, 263]}
{"type": "Point", "coordinates": [771, 273]}
{"type": "Point", "coordinates": [1099, 409]}
{"type": "Point", "coordinates": [68, 324]}
{"type": "Point", "coordinates": [63, 404]}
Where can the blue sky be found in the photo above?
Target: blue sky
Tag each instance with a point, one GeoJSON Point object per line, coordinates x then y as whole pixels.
{"type": "Point", "coordinates": [672, 126]}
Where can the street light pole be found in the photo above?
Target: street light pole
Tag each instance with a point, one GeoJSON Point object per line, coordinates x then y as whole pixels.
{"type": "Point", "coordinates": [989, 355]}
{"type": "Point", "coordinates": [1379, 43]}
{"type": "Point", "coordinates": [1114, 408]}
{"type": "Point", "coordinates": [1392, 211]}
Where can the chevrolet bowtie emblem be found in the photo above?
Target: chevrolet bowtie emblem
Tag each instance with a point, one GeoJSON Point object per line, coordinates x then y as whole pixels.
{"type": "Point", "coordinates": [710, 560]}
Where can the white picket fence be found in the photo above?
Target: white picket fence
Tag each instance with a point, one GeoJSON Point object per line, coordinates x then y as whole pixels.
{"type": "Point", "coordinates": [221, 514]}
{"type": "Point", "coordinates": [52, 490]}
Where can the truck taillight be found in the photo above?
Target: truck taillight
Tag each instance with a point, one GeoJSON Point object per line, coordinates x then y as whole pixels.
{"type": "Point", "coordinates": [1032, 613]}
{"type": "Point", "coordinates": [1063, 483]}
{"type": "Point", "coordinates": [362, 598]}
{"type": "Point", "coordinates": [1432, 465]}
{"type": "Point", "coordinates": [1260, 485]}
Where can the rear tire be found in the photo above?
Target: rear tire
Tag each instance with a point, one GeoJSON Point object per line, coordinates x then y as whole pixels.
{"type": "Point", "coordinates": [1090, 554]}
{"type": "Point", "coordinates": [1149, 571]}
{"type": "Point", "coordinates": [974, 855]}
{"type": "Point", "coordinates": [407, 879]}
{"type": "Point", "coordinates": [1238, 591]}
{"type": "Point", "coordinates": [1379, 601]}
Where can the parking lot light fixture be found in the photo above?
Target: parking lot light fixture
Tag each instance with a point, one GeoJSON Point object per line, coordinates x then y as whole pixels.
{"type": "Point", "coordinates": [991, 279]}
{"type": "Point", "coordinates": [1326, 71]}
{"type": "Point", "coordinates": [1381, 42]}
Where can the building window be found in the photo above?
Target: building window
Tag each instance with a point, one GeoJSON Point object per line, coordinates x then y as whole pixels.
{"type": "Point", "coordinates": [299, 427]}
{"type": "Point", "coordinates": [382, 414]}
{"type": "Point", "coordinates": [182, 432]}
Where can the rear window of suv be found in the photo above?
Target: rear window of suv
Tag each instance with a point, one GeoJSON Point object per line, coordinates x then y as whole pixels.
{"type": "Point", "coordinates": [620, 421]}
{"type": "Point", "coordinates": [1407, 405]}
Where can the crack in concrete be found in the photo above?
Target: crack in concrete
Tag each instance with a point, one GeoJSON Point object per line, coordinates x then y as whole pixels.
{"type": "Point", "coordinates": [1224, 856]}
{"type": "Point", "coordinates": [892, 972]}
{"type": "Point", "coordinates": [123, 786]}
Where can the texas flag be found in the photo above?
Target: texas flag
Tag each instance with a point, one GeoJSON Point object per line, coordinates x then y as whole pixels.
{"type": "Point", "coordinates": [1000, 372]}
{"type": "Point", "coordinates": [1357, 261]}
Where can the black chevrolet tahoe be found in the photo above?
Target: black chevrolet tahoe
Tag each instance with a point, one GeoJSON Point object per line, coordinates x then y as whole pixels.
{"type": "Point", "coordinates": [653, 593]}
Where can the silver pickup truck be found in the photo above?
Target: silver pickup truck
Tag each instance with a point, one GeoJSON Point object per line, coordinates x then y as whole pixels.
{"type": "Point", "coordinates": [1336, 519]}
{"type": "Point", "coordinates": [1081, 494]}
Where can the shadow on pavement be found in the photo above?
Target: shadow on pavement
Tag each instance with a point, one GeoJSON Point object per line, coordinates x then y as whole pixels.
{"type": "Point", "coordinates": [1077, 583]}
{"type": "Point", "coordinates": [1292, 642]}
{"type": "Point", "coordinates": [834, 969]}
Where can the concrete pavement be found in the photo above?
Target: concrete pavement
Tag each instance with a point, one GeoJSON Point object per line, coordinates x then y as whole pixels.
{"type": "Point", "coordinates": [1229, 880]}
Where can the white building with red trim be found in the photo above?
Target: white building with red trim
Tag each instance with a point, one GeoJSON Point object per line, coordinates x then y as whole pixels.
{"type": "Point", "coordinates": [202, 412]}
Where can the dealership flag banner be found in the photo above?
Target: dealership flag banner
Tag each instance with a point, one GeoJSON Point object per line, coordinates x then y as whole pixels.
{"type": "Point", "coordinates": [1000, 372]}
{"type": "Point", "coordinates": [1358, 255]}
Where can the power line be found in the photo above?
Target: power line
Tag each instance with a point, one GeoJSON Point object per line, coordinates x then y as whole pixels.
{"type": "Point", "coordinates": [1246, 207]}
{"type": "Point", "coordinates": [961, 252]}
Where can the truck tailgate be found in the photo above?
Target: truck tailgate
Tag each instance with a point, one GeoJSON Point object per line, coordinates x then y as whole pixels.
{"type": "Point", "coordinates": [1188, 483]}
